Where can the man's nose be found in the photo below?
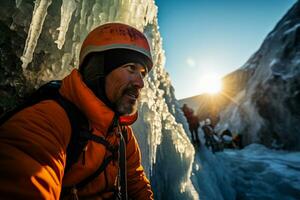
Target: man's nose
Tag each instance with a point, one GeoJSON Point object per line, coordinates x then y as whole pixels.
{"type": "Point", "coordinates": [138, 81]}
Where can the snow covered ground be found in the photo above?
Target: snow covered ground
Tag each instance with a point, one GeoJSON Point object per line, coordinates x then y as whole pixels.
{"type": "Point", "coordinates": [255, 172]}
{"type": "Point", "coordinates": [262, 173]}
{"type": "Point", "coordinates": [211, 178]}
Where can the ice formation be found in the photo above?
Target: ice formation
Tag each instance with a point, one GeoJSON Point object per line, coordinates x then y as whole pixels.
{"type": "Point", "coordinates": [66, 10]}
{"type": "Point", "coordinates": [18, 3]}
{"type": "Point", "coordinates": [36, 26]}
{"type": "Point", "coordinates": [161, 128]}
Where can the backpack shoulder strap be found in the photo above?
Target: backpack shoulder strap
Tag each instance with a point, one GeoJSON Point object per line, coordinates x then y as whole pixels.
{"type": "Point", "coordinates": [50, 91]}
{"type": "Point", "coordinates": [78, 124]}
{"type": "Point", "coordinates": [79, 128]}
{"type": "Point", "coordinates": [123, 164]}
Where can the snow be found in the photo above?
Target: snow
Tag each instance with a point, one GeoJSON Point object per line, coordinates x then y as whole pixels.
{"type": "Point", "coordinates": [273, 62]}
{"type": "Point", "coordinates": [292, 29]}
{"type": "Point", "coordinates": [261, 173]}
{"type": "Point", "coordinates": [211, 178]}
{"type": "Point", "coordinates": [254, 172]}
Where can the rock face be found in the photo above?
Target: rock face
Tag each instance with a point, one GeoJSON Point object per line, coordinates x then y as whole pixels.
{"type": "Point", "coordinates": [264, 95]}
{"type": "Point", "coordinates": [12, 40]}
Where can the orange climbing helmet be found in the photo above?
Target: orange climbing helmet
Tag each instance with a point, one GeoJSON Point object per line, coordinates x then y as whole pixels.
{"type": "Point", "coordinates": [116, 36]}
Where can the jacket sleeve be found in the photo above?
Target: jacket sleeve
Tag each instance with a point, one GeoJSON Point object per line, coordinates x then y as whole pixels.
{"type": "Point", "coordinates": [138, 185]}
{"type": "Point", "coordinates": [32, 152]}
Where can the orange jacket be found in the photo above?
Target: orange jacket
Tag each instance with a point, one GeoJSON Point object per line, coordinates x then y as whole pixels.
{"type": "Point", "coordinates": [33, 150]}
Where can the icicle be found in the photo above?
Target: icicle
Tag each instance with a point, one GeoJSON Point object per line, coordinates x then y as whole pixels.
{"type": "Point", "coordinates": [65, 61]}
{"type": "Point", "coordinates": [35, 29]}
{"type": "Point", "coordinates": [67, 9]}
{"type": "Point", "coordinates": [84, 9]}
{"type": "Point", "coordinates": [90, 21]}
{"type": "Point", "coordinates": [18, 3]}
{"type": "Point", "coordinates": [97, 15]}
{"type": "Point", "coordinates": [112, 13]}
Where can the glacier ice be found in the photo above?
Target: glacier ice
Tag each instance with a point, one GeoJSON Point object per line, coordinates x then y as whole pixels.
{"type": "Point", "coordinates": [36, 26]}
{"type": "Point", "coordinates": [67, 9]}
{"type": "Point", "coordinates": [262, 173]}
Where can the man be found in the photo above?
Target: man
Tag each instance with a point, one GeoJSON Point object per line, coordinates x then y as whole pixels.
{"type": "Point", "coordinates": [114, 59]}
{"type": "Point", "coordinates": [193, 122]}
{"type": "Point", "coordinates": [211, 138]}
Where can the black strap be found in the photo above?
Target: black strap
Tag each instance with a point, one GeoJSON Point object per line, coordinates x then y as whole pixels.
{"type": "Point", "coordinates": [123, 167]}
{"type": "Point", "coordinates": [87, 180]}
{"type": "Point", "coordinates": [45, 92]}
{"type": "Point", "coordinates": [80, 133]}
{"type": "Point", "coordinates": [78, 123]}
{"type": "Point", "coordinates": [125, 133]}
{"type": "Point", "coordinates": [88, 135]}
{"type": "Point", "coordinates": [107, 160]}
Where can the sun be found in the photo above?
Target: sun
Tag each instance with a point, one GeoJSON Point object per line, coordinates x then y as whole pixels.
{"type": "Point", "coordinates": [210, 83]}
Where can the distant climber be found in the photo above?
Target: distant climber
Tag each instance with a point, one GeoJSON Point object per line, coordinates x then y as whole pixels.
{"type": "Point", "coordinates": [193, 122]}
{"type": "Point", "coordinates": [227, 139]}
{"type": "Point", "coordinates": [237, 140]}
{"type": "Point", "coordinates": [211, 139]}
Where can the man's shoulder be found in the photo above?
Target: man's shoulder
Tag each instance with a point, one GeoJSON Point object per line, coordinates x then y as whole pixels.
{"type": "Point", "coordinates": [49, 109]}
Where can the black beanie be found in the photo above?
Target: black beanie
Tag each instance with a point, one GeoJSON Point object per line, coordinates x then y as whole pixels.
{"type": "Point", "coordinates": [118, 57]}
{"type": "Point", "coordinates": [99, 64]}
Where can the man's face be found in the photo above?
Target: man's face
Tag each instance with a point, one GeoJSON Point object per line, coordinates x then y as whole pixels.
{"type": "Point", "coordinates": [123, 86]}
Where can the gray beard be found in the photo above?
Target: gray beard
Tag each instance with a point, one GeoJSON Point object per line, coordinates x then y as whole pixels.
{"type": "Point", "coordinates": [125, 108]}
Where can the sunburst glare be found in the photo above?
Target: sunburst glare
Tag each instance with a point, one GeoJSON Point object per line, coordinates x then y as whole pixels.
{"type": "Point", "coordinates": [210, 83]}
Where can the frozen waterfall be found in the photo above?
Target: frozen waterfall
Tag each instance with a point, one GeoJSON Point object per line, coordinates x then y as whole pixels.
{"type": "Point", "coordinates": [57, 30]}
{"type": "Point", "coordinates": [176, 169]}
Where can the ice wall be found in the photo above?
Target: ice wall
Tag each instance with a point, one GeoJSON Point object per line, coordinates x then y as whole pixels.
{"type": "Point", "coordinates": [170, 154]}
{"type": "Point", "coordinates": [56, 31]}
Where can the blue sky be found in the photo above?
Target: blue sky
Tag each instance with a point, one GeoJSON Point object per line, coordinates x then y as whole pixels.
{"type": "Point", "coordinates": [215, 37]}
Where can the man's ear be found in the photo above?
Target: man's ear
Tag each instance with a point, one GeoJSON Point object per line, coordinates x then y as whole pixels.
{"type": "Point", "coordinates": [93, 67]}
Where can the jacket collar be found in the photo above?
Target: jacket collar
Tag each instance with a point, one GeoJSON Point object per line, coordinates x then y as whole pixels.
{"type": "Point", "coordinates": [101, 116]}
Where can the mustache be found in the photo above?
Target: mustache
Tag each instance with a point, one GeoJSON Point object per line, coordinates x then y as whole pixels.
{"type": "Point", "coordinates": [130, 89]}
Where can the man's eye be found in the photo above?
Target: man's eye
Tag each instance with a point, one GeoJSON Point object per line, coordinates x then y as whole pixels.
{"type": "Point", "coordinates": [144, 73]}
{"type": "Point", "coordinates": [131, 68]}
{"type": "Point", "coordinates": [135, 69]}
